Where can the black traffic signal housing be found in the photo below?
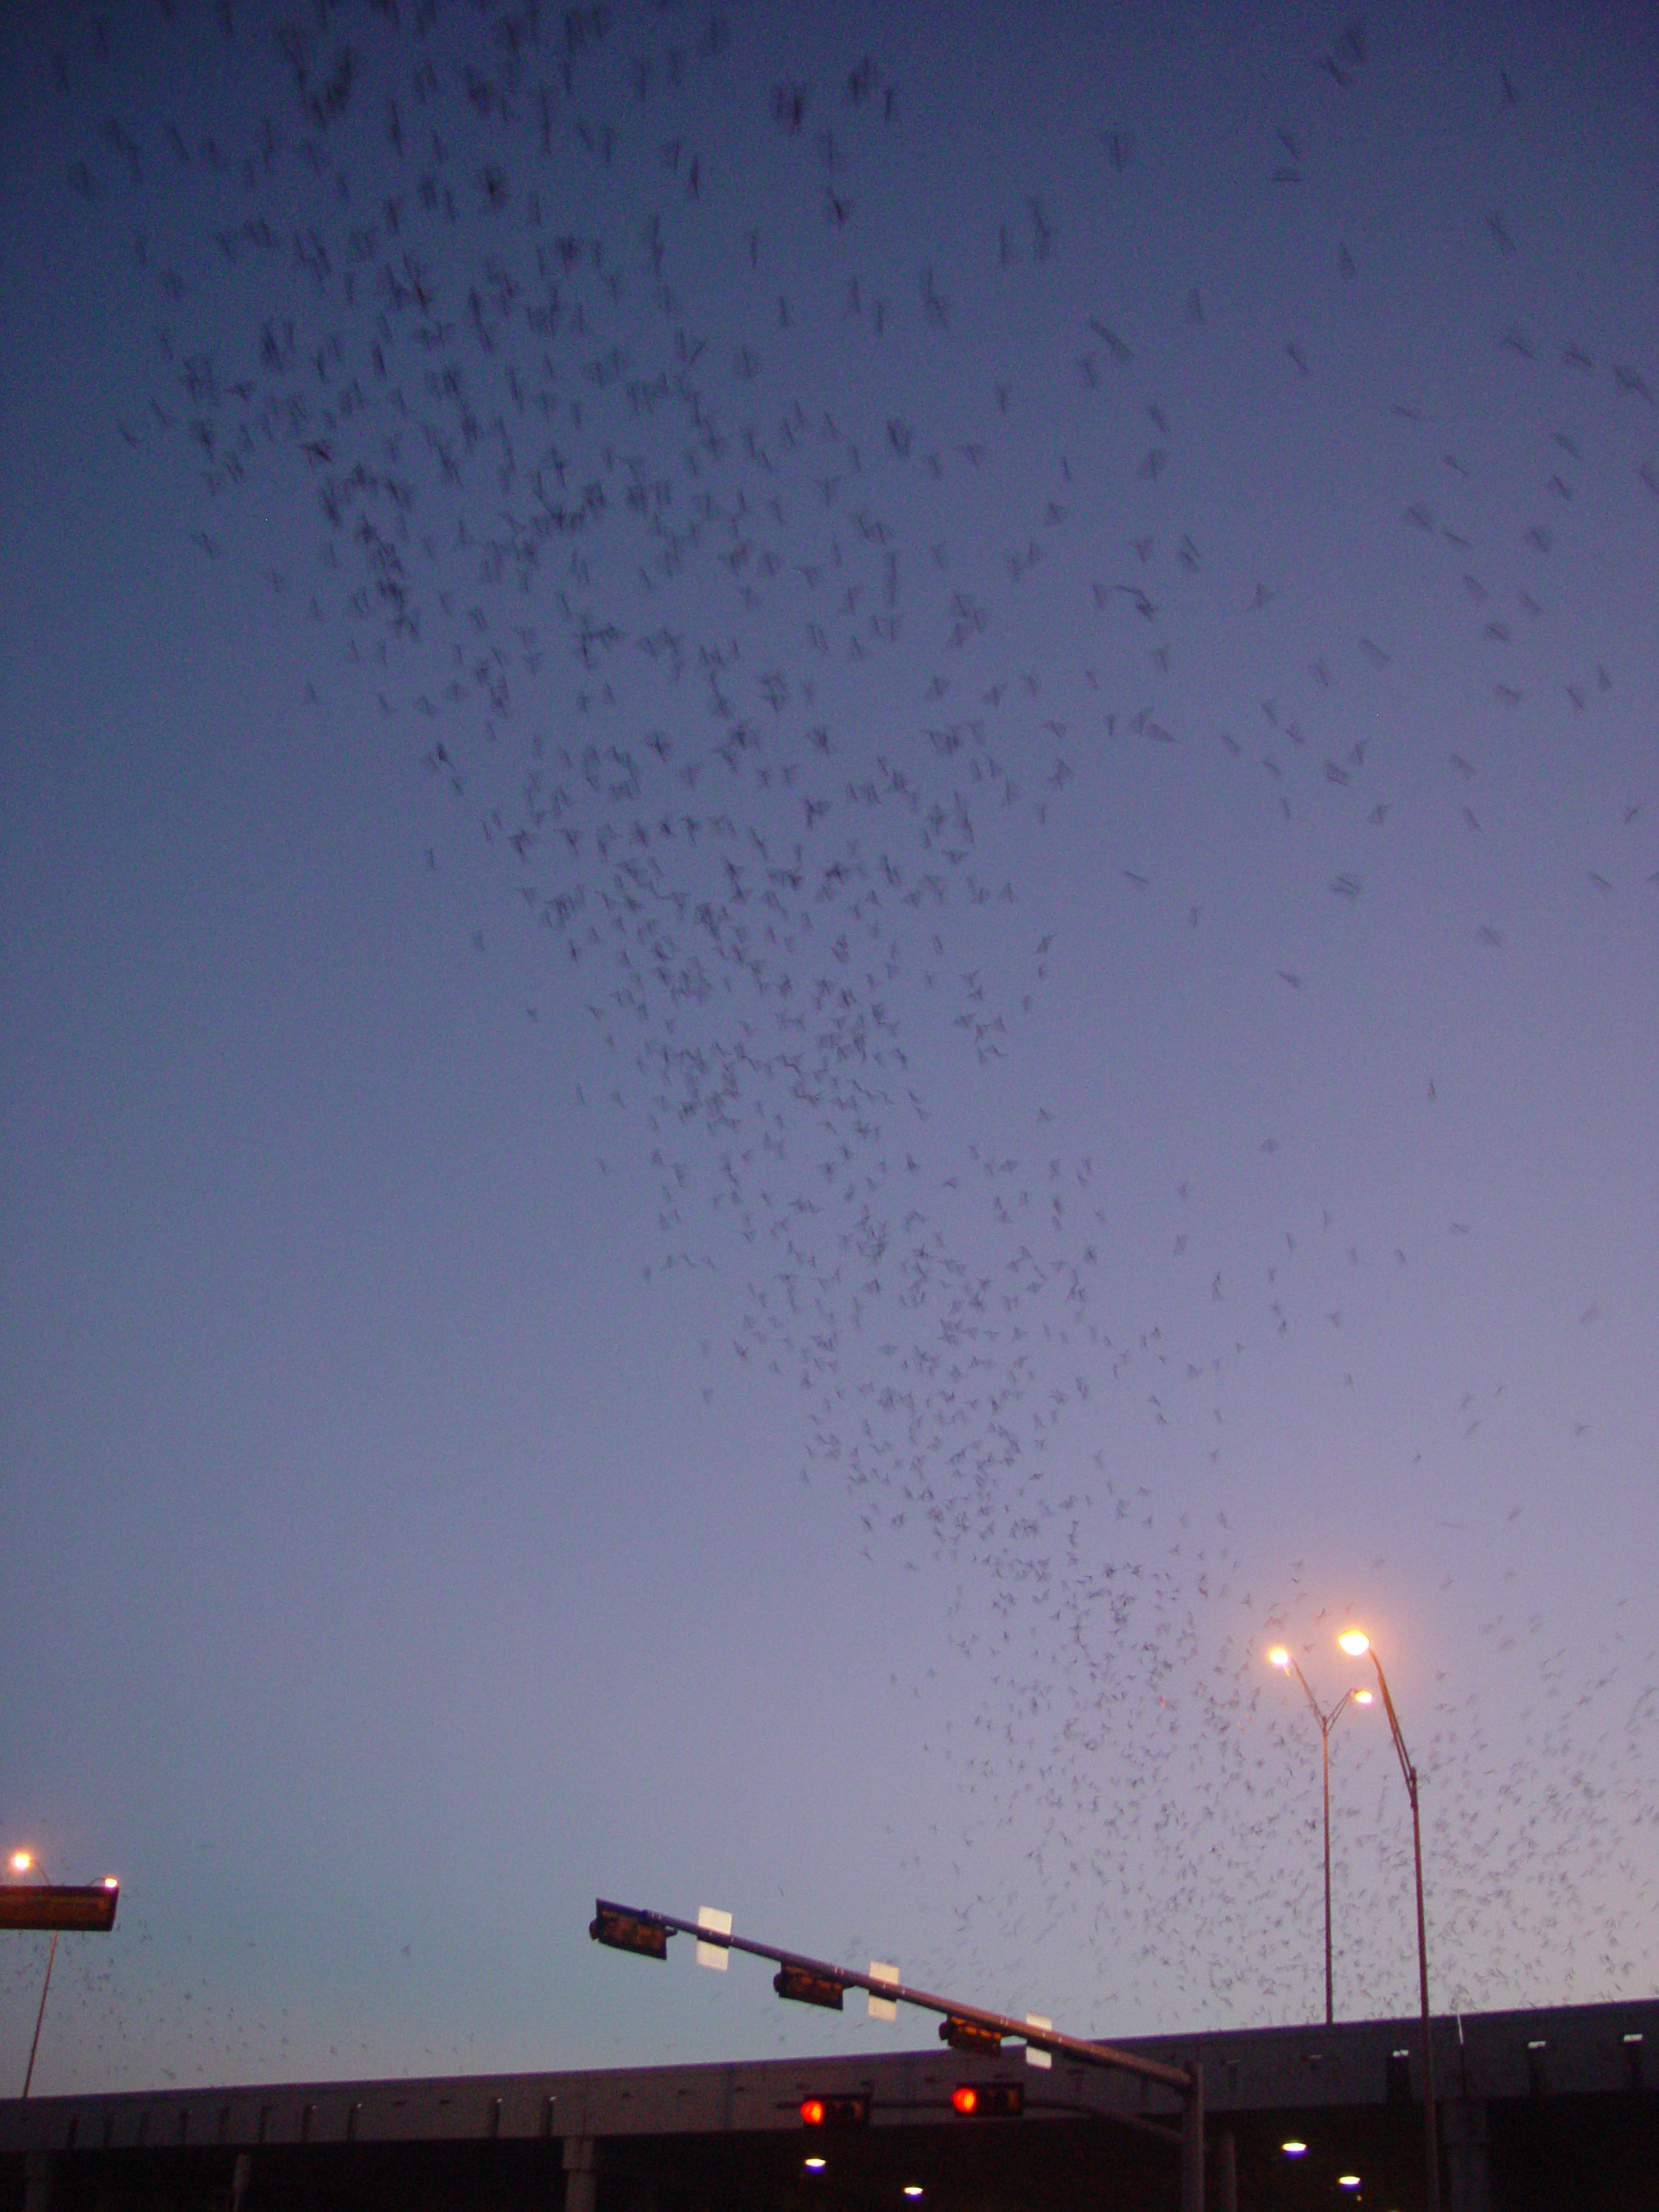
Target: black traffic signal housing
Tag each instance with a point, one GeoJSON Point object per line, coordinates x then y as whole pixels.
{"type": "Point", "coordinates": [968, 2035]}
{"type": "Point", "coordinates": [625, 1930]}
{"type": "Point", "coordinates": [989, 2099]}
{"type": "Point", "coordinates": [806, 1987]}
{"type": "Point", "coordinates": [846, 2111]}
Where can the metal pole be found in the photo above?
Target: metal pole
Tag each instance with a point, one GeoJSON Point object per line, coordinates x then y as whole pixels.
{"type": "Point", "coordinates": [1227, 2172]}
{"type": "Point", "coordinates": [581, 2173]}
{"type": "Point", "coordinates": [1192, 2142]}
{"type": "Point", "coordinates": [1324, 1746]}
{"type": "Point", "coordinates": [41, 2015]}
{"type": "Point", "coordinates": [1327, 1721]}
{"type": "Point", "coordinates": [629, 1922]}
{"type": "Point", "coordinates": [1431, 2147]}
{"type": "Point", "coordinates": [1178, 2078]}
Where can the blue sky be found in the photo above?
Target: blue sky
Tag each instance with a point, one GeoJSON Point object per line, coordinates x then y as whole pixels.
{"type": "Point", "coordinates": [830, 859]}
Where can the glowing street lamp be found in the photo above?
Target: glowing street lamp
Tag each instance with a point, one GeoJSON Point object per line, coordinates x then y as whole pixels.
{"type": "Point", "coordinates": [1356, 1643]}
{"type": "Point", "coordinates": [1282, 1659]}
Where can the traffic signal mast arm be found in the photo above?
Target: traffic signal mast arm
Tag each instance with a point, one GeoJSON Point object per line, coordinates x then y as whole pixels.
{"type": "Point", "coordinates": [1178, 2078]}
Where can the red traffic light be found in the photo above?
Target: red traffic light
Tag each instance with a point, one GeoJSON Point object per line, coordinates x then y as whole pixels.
{"type": "Point", "coordinates": [835, 2112]}
{"type": "Point", "coordinates": [90, 1908]}
{"type": "Point", "coordinates": [989, 2099]}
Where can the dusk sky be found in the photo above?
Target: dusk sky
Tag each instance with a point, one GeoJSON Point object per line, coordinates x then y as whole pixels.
{"type": "Point", "coordinates": [830, 870]}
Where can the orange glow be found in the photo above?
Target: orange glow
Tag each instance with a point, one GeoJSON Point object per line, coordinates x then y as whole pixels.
{"type": "Point", "coordinates": [1363, 1697]}
{"type": "Point", "coordinates": [965, 2099]}
{"type": "Point", "coordinates": [1278, 1656]}
{"type": "Point", "coordinates": [1355, 1643]}
{"type": "Point", "coordinates": [21, 1862]}
{"type": "Point", "coordinates": [111, 1881]}
{"type": "Point", "coordinates": [812, 2112]}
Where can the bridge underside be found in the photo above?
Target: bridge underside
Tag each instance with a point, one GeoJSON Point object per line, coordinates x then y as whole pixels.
{"type": "Point", "coordinates": [1540, 2110]}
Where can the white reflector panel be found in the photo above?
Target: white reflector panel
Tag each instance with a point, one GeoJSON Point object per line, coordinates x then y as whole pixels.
{"type": "Point", "coordinates": [1034, 2057]}
{"type": "Point", "coordinates": [883, 2008]}
{"type": "Point", "coordinates": [718, 1924]}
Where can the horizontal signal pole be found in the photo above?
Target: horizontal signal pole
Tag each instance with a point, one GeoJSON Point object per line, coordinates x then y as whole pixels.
{"type": "Point", "coordinates": [1187, 2082]}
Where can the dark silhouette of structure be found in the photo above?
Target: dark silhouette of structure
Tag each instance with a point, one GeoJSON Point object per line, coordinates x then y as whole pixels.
{"type": "Point", "coordinates": [1539, 2109]}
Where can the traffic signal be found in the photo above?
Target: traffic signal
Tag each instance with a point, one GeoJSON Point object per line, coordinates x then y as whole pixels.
{"type": "Point", "coordinates": [90, 1908]}
{"type": "Point", "coordinates": [806, 1987]}
{"type": "Point", "coordinates": [626, 1931]}
{"type": "Point", "coordinates": [989, 2099]}
{"type": "Point", "coordinates": [835, 2112]}
{"type": "Point", "coordinates": [968, 2035]}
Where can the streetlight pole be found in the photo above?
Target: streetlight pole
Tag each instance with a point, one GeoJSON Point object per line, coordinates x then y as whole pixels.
{"type": "Point", "coordinates": [23, 1862]}
{"type": "Point", "coordinates": [90, 1906]}
{"type": "Point", "coordinates": [1283, 1659]}
{"type": "Point", "coordinates": [1356, 1643]}
{"type": "Point", "coordinates": [40, 2015]}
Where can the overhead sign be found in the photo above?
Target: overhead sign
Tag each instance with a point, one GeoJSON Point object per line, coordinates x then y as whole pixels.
{"type": "Point", "coordinates": [90, 1910]}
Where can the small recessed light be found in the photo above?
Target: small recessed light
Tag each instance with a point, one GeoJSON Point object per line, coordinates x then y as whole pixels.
{"type": "Point", "coordinates": [1292, 2150]}
{"type": "Point", "coordinates": [912, 2189]}
{"type": "Point", "coordinates": [813, 2166]}
{"type": "Point", "coordinates": [1347, 2181]}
